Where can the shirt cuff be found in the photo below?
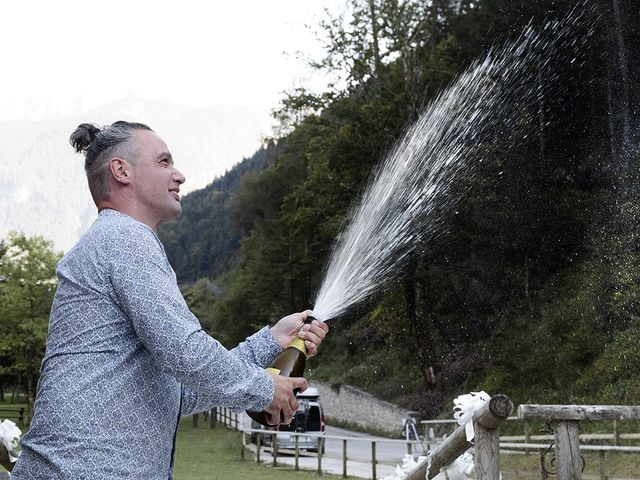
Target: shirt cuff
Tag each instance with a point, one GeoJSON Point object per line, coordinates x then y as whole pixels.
{"type": "Point", "coordinates": [266, 347]}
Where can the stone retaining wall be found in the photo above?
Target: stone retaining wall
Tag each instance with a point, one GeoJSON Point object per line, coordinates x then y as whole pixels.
{"type": "Point", "coordinates": [350, 404]}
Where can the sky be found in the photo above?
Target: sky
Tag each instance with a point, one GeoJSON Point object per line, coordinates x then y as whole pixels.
{"type": "Point", "coordinates": [71, 55]}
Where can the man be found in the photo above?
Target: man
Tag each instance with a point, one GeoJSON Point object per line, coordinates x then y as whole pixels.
{"type": "Point", "coordinates": [125, 357]}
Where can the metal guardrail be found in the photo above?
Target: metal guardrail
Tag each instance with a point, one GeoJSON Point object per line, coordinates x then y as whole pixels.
{"type": "Point", "coordinates": [321, 438]}
{"type": "Point", "coordinates": [231, 420]}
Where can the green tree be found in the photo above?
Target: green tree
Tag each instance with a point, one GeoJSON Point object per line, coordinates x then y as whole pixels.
{"type": "Point", "coordinates": [527, 273]}
{"type": "Point", "coordinates": [27, 271]}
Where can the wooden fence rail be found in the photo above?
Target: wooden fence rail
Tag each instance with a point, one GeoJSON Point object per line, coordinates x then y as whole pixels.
{"type": "Point", "coordinates": [615, 436]}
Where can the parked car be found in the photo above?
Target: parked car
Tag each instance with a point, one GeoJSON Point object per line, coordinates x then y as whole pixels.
{"type": "Point", "coordinates": [308, 424]}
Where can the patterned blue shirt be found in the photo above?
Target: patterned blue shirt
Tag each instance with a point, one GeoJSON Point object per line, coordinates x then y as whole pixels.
{"type": "Point", "coordinates": [125, 358]}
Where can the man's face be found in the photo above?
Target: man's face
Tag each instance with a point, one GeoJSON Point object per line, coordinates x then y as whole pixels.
{"type": "Point", "coordinates": [156, 180]}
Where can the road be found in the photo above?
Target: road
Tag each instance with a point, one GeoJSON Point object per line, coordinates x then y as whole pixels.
{"type": "Point", "coordinates": [359, 446]}
{"type": "Point", "coordinates": [389, 454]}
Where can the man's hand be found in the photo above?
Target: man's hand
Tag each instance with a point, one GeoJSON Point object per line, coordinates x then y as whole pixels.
{"type": "Point", "coordinates": [284, 404]}
{"type": "Point", "coordinates": [292, 326]}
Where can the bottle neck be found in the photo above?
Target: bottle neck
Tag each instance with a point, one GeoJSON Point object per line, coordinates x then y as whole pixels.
{"type": "Point", "coordinates": [299, 344]}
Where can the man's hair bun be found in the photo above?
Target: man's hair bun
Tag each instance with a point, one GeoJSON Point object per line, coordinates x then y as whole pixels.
{"type": "Point", "coordinates": [82, 137]}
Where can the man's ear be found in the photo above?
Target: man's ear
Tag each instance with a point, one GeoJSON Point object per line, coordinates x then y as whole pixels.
{"type": "Point", "coordinates": [121, 170]}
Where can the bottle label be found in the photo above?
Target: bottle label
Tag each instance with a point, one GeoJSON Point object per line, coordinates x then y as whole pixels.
{"type": "Point", "coordinates": [299, 344]}
{"type": "Point", "coordinates": [275, 371]}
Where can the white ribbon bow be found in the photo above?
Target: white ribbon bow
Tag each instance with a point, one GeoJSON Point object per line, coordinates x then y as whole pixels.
{"type": "Point", "coordinates": [407, 467]}
{"type": "Point", "coordinates": [458, 470]}
{"type": "Point", "coordinates": [465, 406]}
{"type": "Point", "coordinates": [10, 438]}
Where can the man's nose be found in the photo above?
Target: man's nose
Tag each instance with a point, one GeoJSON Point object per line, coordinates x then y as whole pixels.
{"type": "Point", "coordinates": [178, 177]}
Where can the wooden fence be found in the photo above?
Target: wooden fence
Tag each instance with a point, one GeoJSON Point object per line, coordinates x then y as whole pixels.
{"type": "Point", "coordinates": [231, 420]}
{"type": "Point", "coordinates": [486, 422]}
{"type": "Point", "coordinates": [565, 420]}
{"type": "Point", "coordinates": [488, 443]}
{"type": "Point", "coordinates": [615, 437]}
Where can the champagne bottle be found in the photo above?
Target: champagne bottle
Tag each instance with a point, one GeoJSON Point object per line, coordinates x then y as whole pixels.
{"type": "Point", "coordinates": [290, 363]}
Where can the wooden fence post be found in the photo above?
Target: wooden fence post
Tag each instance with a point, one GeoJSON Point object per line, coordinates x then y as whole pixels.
{"type": "Point", "coordinates": [213, 419]}
{"type": "Point", "coordinates": [258, 445]}
{"type": "Point", "coordinates": [487, 452]}
{"type": "Point", "coordinates": [320, 444]}
{"type": "Point", "coordinates": [373, 459]}
{"type": "Point", "coordinates": [274, 448]}
{"type": "Point", "coordinates": [568, 459]}
{"type": "Point", "coordinates": [490, 416]}
{"type": "Point", "coordinates": [602, 470]}
{"type": "Point", "coordinates": [565, 419]}
{"type": "Point", "coordinates": [297, 452]}
{"type": "Point", "coordinates": [487, 438]}
{"type": "Point", "coordinates": [5, 459]}
{"type": "Point", "coordinates": [344, 457]}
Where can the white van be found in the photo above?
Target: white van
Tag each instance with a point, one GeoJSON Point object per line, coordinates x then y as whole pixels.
{"type": "Point", "coordinates": [308, 424]}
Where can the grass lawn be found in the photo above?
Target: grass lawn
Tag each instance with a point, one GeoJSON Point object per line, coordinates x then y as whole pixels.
{"type": "Point", "coordinates": [206, 454]}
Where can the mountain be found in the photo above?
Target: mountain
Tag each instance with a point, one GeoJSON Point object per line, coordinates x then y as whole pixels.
{"type": "Point", "coordinates": [43, 187]}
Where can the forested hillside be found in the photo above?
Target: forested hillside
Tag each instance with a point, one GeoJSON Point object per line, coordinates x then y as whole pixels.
{"type": "Point", "coordinates": [204, 240]}
{"type": "Point", "coordinates": [532, 284]}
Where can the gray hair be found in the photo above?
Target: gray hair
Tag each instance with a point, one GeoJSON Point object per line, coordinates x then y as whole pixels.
{"type": "Point", "coordinates": [100, 145]}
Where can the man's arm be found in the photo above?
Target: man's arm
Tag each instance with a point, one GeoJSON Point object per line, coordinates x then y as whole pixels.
{"type": "Point", "coordinates": [145, 288]}
{"type": "Point", "coordinates": [281, 409]}
{"type": "Point", "coordinates": [260, 348]}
